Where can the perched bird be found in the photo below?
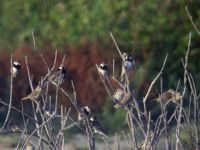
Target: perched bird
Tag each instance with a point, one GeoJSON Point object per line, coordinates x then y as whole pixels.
{"type": "Point", "coordinates": [169, 95]}
{"type": "Point", "coordinates": [103, 69]}
{"type": "Point", "coordinates": [29, 146]}
{"type": "Point", "coordinates": [35, 95]}
{"type": "Point", "coordinates": [122, 97]}
{"type": "Point", "coordinates": [15, 69]}
{"type": "Point", "coordinates": [13, 126]}
{"type": "Point", "coordinates": [118, 95]}
{"type": "Point", "coordinates": [85, 111]}
{"type": "Point", "coordinates": [128, 65]}
{"type": "Point", "coordinates": [57, 77]}
{"type": "Point", "coordinates": [95, 126]}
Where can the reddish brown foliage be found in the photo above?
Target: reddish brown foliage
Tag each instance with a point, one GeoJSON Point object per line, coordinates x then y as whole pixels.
{"type": "Point", "coordinates": [80, 64]}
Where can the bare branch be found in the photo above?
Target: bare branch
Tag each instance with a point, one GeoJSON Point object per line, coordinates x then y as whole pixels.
{"type": "Point", "coordinates": [191, 20]}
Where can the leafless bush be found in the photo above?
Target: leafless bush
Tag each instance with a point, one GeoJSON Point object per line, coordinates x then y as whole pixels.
{"type": "Point", "coordinates": [139, 117]}
{"type": "Point", "coordinates": [145, 132]}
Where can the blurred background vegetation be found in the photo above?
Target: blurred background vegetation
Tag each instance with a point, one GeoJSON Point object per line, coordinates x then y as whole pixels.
{"type": "Point", "coordinates": [80, 29]}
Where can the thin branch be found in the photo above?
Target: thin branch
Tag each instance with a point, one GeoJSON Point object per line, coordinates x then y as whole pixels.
{"type": "Point", "coordinates": [152, 83]}
{"type": "Point", "coordinates": [29, 76]}
{"type": "Point", "coordinates": [33, 40]}
{"type": "Point", "coordinates": [183, 93]}
{"type": "Point", "coordinates": [116, 45]}
{"type": "Point", "coordinates": [10, 102]}
{"type": "Point", "coordinates": [191, 20]}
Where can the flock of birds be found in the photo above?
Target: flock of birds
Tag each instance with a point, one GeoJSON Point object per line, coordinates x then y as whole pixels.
{"type": "Point", "coordinates": [122, 96]}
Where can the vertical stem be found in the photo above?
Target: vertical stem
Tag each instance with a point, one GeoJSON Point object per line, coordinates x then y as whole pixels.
{"type": "Point", "coordinates": [10, 102]}
{"type": "Point", "coordinates": [163, 109]}
{"type": "Point", "coordinates": [183, 93]}
{"type": "Point", "coordinates": [132, 129]}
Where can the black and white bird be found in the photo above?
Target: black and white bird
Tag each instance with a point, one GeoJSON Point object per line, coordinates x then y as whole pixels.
{"type": "Point", "coordinates": [13, 126]}
{"type": "Point", "coordinates": [85, 111]}
{"type": "Point", "coordinates": [95, 126]}
{"type": "Point", "coordinates": [103, 69]}
{"type": "Point", "coordinates": [35, 94]}
{"type": "Point", "coordinates": [128, 64]}
{"type": "Point", "coordinates": [15, 69]}
{"type": "Point", "coordinates": [57, 77]}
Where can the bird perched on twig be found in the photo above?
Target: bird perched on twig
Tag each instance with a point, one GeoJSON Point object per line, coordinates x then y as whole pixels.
{"type": "Point", "coordinates": [128, 97]}
{"type": "Point", "coordinates": [170, 95]}
{"type": "Point", "coordinates": [57, 77]}
{"type": "Point", "coordinates": [15, 69]}
{"type": "Point", "coordinates": [85, 111]}
{"type": "Point", "coordinates": [122, 97]}
{"type": "Point", "coordinates": [128, 65]}
{"type": "Point", "coordinates": [103, 69]}
{"type": "Point", "coordinates": [95, 126]}
{"type": "Point", "coordinates": [118, 95]}
{"type": "Point", "coordinates": [35, 94]}
{"type": "Point", "coordinates": [13, 126]}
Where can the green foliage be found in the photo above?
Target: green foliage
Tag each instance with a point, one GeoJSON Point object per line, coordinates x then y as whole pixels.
{"type": "Point", "coordinates": [61, 22]}
{"type": "Point", "coordinates": [113, 119]}
{"type": "Point", "coordinates": [163, 27]}
{"type": "Point", "coordinates": [152, 28]}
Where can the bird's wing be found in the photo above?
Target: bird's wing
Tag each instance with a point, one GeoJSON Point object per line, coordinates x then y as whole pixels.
{"type": "Point", "coordinates": [54, 76]}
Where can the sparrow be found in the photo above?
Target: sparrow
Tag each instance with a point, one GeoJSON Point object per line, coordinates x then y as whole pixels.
{"type": "Point", "coordinates": [15, 69]}
{"type": "Point", "coordinates": [29, 146]}
{"type": "Point", "coordinates": [35, 95]}
{"type": "Point", "coordinates": [95, 126]}
{"type": "Point", "coordinates": [170, 95]}
{"type": "Point", "coordinates": [13, 126]}
{"type": "Point", "coordinates": [103, 69]}
{"type": "Point", "coordinates": [57, 77]}
{"type": "Point", "coordinates": [118, 95]}
{"type": "Point", "coordinates": [128, 64]}
{"type": "Point", "coordinates": [85, 111]}
{"type": "Point", "coordinates": [122, 97]}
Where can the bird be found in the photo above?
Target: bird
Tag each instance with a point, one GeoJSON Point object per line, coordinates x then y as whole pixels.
{"type": "Point", "coordinates": [169, 95]}
{"type": "Point", "coordinates": [15, 69]}
{"type": "Point", "coordinates": [13, 126]}
{"type": "Point", "coordinates": [95, 126]}
{"type": "Point", "coordinates": [85, 111]}
{"type": "Point", "coordinates": [118, 95]}
{"type": "Point", "coordinates": [57, 77]}
{"type": "Point", "coordinates": [103, 69]}
{"type": "Point", "coordinates": [35, 94]}
{"type": "Point", "coordinates": [124, 97]}
{"type": "Point", "coordinates": [128, 65]}
{"type": "Point", "coordinates": [29, 146]}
